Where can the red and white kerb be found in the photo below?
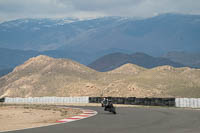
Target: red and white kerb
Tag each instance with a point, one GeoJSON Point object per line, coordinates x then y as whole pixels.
{"type": "Point", "coordinates": [85, 114]}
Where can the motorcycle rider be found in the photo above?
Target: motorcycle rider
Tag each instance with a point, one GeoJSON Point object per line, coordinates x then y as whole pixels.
{"type": "Point", "coordinates": [107, 103]}
{"type": "Point", "coordinates": [104, 102]}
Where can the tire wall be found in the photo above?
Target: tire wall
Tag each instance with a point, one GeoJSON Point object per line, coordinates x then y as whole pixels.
{"type": "Point", "coordinates": [138, 101]}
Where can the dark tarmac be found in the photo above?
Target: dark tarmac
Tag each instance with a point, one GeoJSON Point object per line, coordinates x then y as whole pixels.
{"type": "Point", "coordinates": [130, 120]}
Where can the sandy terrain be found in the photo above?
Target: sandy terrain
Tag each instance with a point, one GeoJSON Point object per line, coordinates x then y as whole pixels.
{"type": "Point", "coordinates": [19, 117]}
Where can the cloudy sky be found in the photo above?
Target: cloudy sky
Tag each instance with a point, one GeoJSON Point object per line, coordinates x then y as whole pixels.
{"type": "Point", "coordinates": [14, 9]}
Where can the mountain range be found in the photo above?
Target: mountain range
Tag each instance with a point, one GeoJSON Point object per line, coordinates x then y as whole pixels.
{"type": "Point", "coordinates": [46, 34]}
{"type": "Point", "coordinates": [155, 36]}
{"type": "Point", "coordinates": [46, 76]}
{"type": "Point", "coordinates": [11, 58]}
{"type": "Point", "coordinates": [88, 40]}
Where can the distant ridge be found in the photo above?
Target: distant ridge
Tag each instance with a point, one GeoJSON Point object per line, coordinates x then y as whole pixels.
{"type": "Point", "coordinates": [186, 58]}
{"type": "Point", "coordinates": [10, 58]}
{"type": "Point", "coordinates": [115, 60]}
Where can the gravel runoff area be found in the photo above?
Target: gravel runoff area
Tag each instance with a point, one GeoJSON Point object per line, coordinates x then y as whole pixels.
{"type": "Point", "coordinates": [14, 117]}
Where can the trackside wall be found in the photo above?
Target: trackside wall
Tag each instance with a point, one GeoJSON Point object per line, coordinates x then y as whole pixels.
{"type": "Point", "coordinates": [170, 102]}
{"type": "Point", "coordinates": [188, 102]}
{"type": "Point", "coordinates": [47, 100]}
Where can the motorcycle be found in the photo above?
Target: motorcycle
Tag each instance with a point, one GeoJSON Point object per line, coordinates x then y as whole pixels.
{"type": "Point", "coordinates": [108, 106]}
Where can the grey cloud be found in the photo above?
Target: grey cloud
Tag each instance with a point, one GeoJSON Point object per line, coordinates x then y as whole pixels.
{"type": "Point", "coordinates": [14, 9]}
{"type": "Point", "coordinates": [31, 6]}
{"type": "Point", "coordinates": [142, 8]}
{"type": "Point", "coordinates": [11, 9]}
{"type": "Point", "coordinates": [101, 5]}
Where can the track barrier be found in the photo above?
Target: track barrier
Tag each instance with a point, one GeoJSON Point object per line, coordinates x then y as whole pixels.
{"type": "Point", "coordinates": [188, 102]}
{"type": "Point", "coordinates": [170, 102]}
{"type": "Point", "coordinates": [47, 100]}
{"type": "Point", "coordinates": [137, 101]}
{"type": "Point", "coordinates": [2, 100]}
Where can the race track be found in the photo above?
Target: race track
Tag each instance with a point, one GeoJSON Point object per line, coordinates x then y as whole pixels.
{"type": "Point", "coordinates": [130, 120]}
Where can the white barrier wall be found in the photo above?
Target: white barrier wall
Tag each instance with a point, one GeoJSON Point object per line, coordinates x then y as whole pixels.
{"type": "Point", "coordinates": [188, 102]}
{"type": "Point", "coordinates": [46, 100]}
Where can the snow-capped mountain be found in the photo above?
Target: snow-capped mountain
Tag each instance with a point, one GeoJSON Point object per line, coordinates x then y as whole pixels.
{"type": "Point", "coordinates": [155, 36]}
{"type": "Point", "coordinates": [40, 22]}
{"type": "Point", "coordinates": [87, 40]}
{"type": "Point", "coordinates": [46, 34]}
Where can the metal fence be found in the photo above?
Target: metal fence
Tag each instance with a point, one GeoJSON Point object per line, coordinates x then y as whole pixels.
{"type": "Point", "coordinates": [47, 100]}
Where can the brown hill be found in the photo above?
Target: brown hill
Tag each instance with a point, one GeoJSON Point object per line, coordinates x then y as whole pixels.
{"type": "Point", "coordinates": [128, 69]}
{"type": "Point", "coordinates": [181, 82]}
{"type": "Point", "coordinates": [45, 76]}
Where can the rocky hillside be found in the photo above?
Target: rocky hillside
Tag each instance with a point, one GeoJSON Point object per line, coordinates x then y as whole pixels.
{"type": "Point", "coordinates": [45, 76]}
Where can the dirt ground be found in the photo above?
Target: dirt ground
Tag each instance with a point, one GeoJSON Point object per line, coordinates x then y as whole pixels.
{"type": "Point", "coordinates": [20, 117]}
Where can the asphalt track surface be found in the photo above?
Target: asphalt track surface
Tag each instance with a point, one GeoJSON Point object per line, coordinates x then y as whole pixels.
{"type": "Point", "coordinates": [130, 120]}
